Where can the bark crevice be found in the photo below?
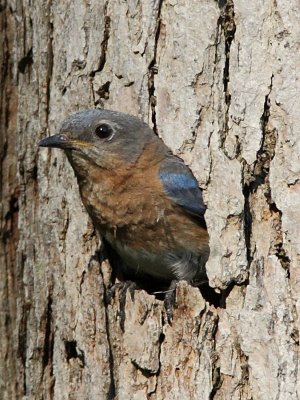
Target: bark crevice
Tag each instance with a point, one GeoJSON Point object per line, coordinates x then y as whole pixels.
{"type": "Point", "coordinates": [153, 70]}
{"type": "Point", "coordinates": [104, 43]}
{"type": "Point", "coordinates": [227, 23]}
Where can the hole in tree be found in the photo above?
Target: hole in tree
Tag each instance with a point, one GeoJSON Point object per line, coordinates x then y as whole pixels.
{"type": "Point", "coordinates": [25, 61]}
{"type": "Point", "coordinates": [210, 295]}
{"type": "Point", "coordinates": [73, 352]}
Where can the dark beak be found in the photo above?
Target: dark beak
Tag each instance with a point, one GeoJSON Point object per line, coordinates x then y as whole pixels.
{"type": "Point", "coordinates": [60, 141]}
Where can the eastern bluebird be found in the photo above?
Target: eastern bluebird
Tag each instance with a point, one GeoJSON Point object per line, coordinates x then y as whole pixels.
{"type": "Point", "coordinates": [144, 201]}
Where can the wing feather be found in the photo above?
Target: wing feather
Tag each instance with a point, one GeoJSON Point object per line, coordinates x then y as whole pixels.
{"type": "Point", "coordinates": [182, 187]}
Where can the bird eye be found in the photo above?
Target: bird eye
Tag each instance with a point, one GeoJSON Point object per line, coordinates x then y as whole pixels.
{"type": "Point", "coordinates": [104, 131]}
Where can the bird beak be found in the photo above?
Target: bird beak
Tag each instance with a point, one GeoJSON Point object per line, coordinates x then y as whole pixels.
{"type": "Point", "coordinates": [61, 141]}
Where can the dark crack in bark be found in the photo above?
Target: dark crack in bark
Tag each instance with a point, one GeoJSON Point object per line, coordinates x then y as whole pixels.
{"type": "Point", "coordinates": [47, 360]}
{"type": "Point", "coordinates": [104, 43]}
{"type": "Point", "coordinates": [25, 62]}
{"type": "Point", "coordinates": [72, 351]}
{"type": "Point", "coordinates": [209, 332]}
{"type": "Point", "coordinates": [258, 177]}
{"type": "Point", "coordinates": [111, 394]}
{"type": "Point", "coordinates": [50, 57]}
{"type": "Point", "coordinates": [227, 23]}
{"type": "Point", "coordinates": [153, 70]}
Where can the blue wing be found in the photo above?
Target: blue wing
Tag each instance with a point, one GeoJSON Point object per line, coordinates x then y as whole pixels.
{"type": "Point", "coordinates": [182, 187]}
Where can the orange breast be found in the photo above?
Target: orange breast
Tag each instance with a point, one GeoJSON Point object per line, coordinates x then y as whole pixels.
{"type": "Point", "coordinates": [130, 204]}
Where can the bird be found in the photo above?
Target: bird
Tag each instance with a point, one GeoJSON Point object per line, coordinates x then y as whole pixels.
{"type": "Point", "coordinates": [143, 200]}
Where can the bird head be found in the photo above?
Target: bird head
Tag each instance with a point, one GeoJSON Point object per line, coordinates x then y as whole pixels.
{"type": "Point", "coordinates": [103, 137]}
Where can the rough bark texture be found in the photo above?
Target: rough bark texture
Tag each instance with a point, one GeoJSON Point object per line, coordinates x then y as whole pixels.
{"type": "Point", "coordinates": [218, 81]}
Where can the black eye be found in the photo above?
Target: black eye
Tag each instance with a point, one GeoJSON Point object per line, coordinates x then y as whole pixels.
{"type": "Point", "coordinates": [104, 131]}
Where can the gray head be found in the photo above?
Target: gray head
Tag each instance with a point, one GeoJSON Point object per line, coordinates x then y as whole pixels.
{"type": "Point", "coordinates": [102, 136]}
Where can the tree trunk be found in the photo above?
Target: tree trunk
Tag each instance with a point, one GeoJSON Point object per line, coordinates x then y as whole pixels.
{"type": "Point", "coordinates": [218, 81]}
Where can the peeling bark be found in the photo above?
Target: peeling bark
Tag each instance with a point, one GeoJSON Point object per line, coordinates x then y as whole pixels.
{"type": "Point", "coordinates": [217, 80]}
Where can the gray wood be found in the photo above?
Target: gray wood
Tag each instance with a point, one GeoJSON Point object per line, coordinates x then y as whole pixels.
{"type": "Point", "coordinates": [218, 81]}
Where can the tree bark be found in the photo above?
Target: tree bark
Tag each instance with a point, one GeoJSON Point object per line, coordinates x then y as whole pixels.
{"type": "Point", "coordinates": [218, 81]}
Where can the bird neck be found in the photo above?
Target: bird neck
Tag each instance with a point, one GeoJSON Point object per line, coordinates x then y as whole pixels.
{"type": "Point", "coordinates": [88, 172]}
